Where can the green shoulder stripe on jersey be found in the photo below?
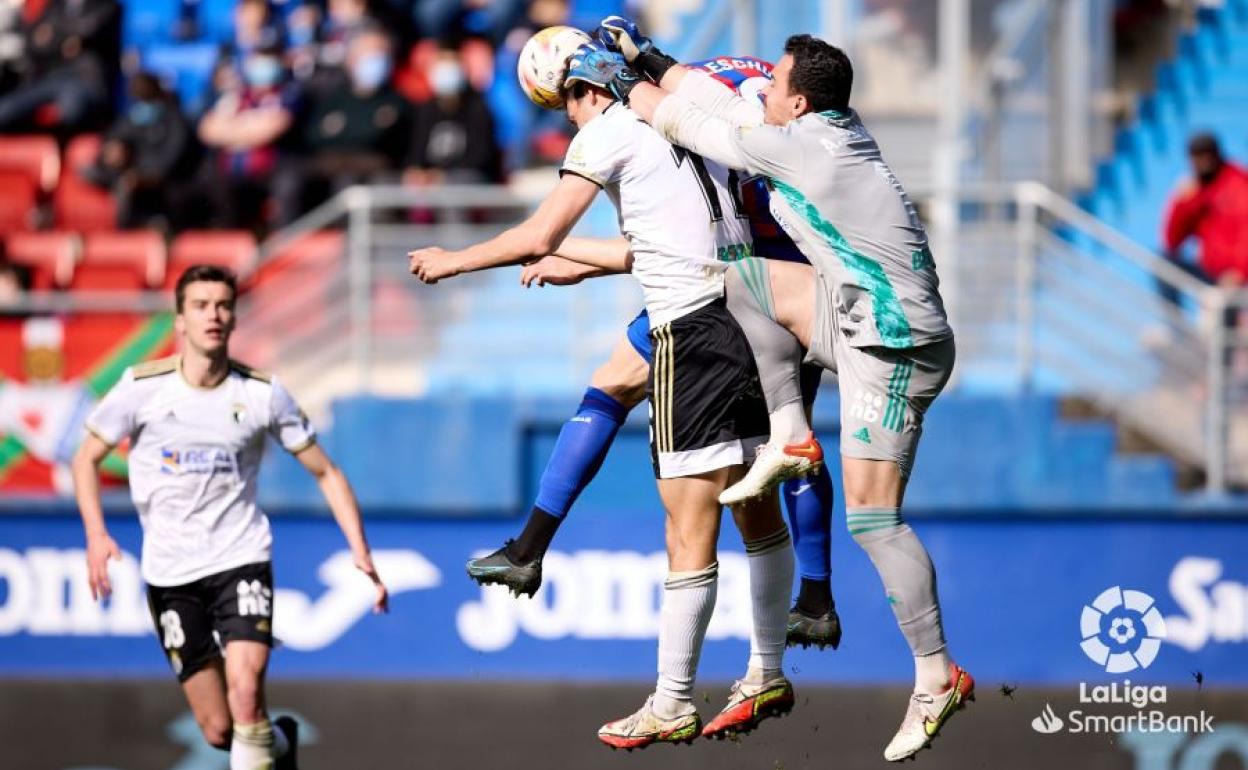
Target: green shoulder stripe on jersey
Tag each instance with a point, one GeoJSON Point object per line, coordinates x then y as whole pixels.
{"type": "Point", "coordinates": [247, 371]}
{"type": "Point", "coordinates": [890, 319]}
{"type": "Point", "coordinates": [156, 368]}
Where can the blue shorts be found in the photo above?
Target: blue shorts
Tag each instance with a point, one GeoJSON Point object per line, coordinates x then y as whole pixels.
{"type": "Point", "coordinates": [639, 336]}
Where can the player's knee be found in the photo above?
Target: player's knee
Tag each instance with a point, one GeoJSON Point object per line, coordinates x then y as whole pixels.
{"type": "Point", "coordinates": [244, 696]}
{"type": "Point", "coordinates": [626, 384]}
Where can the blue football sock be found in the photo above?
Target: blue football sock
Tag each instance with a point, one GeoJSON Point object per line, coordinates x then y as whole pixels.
{"type": "Point", "coordinates": [579, 451]}
{"type": "Point", "coordinates": [809, 504]}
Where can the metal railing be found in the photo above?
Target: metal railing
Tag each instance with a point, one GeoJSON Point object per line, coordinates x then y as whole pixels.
{"type": "Point", "coordinates": [1050, 297]}
{"type": "Point", "coordinates": [1043, 296]}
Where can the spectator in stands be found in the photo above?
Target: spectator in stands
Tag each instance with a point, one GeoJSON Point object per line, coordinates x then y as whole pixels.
{"type": "Point", "coordinates": [354, 135]}
{"type": "Point", "coordinates": [453, 133]}
{"type": "Point", "coordinates": [1213, 207]}
{"type": "Point", "coordinates": [244, 131]}
{"type": "Point", "coordinates": [254, 27]}
{"type": "Point", "coordinates": [148, 152]}
{"type": "Point", "coordinates": [343, 19]}
{"type": "Point", "coordinates": [15, 281]}
{"type": "Point", "coordinates": [72, 59]}
{"type": "Point", "coordinates": [12, 43]}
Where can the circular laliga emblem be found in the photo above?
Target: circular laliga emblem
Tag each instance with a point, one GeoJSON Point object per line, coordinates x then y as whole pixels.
{"type": "Point", "coordinates": [1122, 630]}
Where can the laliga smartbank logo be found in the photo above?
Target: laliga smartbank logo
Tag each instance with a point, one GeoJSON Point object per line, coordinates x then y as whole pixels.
{"type": "Point", "coordinates": [1121, 631]}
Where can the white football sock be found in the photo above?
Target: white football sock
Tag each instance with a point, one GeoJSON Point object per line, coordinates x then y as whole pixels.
{"type": "Point", "coordinates": [688, 601]}
{"type": "Point", "coordinates": [252, 746]}
{"type": "Point", "coordinates": [788, 423]}
{"type": "Point", "coordinates": [931, 672]}
{"type": "Point", "coordinates": [771, 584]}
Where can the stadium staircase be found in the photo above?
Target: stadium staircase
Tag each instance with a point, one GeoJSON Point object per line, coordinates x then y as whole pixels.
{"type": "Point", "coordinates": [1203, 88]}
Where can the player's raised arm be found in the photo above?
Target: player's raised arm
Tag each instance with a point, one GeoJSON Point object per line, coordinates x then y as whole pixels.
{"type": "Point", "coordinates": [532, 239]}
{"type": "Point", "coordinates": [622, 35]}
{"type": "Point", "coordinates": [100, 545]}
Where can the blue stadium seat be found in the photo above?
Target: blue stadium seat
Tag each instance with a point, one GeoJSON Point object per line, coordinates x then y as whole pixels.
{"type": "Point", "coordinates": [216, 20]}
{"type": "Point", "coordinates": [145, 22]}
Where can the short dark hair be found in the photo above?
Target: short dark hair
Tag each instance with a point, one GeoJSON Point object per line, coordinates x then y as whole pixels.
{"type": "Point", "coordinates": [1204, 143]}
{"type": "Point", "coordinates": [203, 273]}
{"type": "Point", "coordinates": [821, 72]}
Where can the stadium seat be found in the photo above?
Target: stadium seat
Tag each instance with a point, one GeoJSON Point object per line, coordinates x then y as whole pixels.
{"type": "Point", "coordinates": [121, 261]}
{"type": "Point", "coordinates": [50, 256]}
{"type": "Point", "coordinates": [145, 22]}
{"type": "Point", "coordinates": [36, 156]}
{"type": "Point", "coordinates": [18, 198]}
{"type": "Point", "coordinates": [77, 204]}
{"type": "Point", "coordinates": [235, 249]}
{"type": "Point", "coordinates": [216, 20]}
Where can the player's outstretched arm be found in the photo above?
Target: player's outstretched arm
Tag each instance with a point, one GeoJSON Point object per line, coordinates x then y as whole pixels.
{"type": "Point", "coordinates": [557, 271]}
{"type": "Point", "coordinates": [341, 499]}
{"type": "Point", "coordinates": [611, 255]}
{"type": "Point", "coordinates": [532, 239]}
{"type": "Point", "coordinates": [100, 545]}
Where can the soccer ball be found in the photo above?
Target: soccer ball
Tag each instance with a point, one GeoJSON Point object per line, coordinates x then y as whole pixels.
{"type": "Point", "coordinates": [544, 63]}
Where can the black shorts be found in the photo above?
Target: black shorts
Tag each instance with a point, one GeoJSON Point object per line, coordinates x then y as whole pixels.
{"type": "Point", "coordinates": [194, 621]}
{"type": "Point", "coordinates": [706, 406]}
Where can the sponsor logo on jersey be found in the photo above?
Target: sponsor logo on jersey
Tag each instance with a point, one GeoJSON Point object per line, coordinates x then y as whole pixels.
{"type": "Point", "coordinates": [196, 460]}
{"type": "Point", "coordinates": [254, 598]}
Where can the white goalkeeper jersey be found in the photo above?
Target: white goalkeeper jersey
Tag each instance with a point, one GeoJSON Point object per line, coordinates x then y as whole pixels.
{"type": "Point", "coordinates": [194, 457]}
{"type": "Point", "coordinates": [682, 215]}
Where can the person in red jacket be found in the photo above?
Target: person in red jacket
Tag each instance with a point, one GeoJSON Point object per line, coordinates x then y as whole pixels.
{"type": "Point", "coordinates": [1213, 207]}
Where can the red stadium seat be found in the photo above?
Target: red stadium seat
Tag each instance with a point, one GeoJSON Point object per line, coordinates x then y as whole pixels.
{"type": "Point", "coordinates": [121, 261]}
{"type": "Point", "coordinates": [35, 156]}
{"type": "Point", "coordinates": [18, 199]}
{"type": "Point", "coordinates": [78, 204]}
{"type": "Point", "coordinates": [51, 256]}
{"type": "Point", "coordinates": [234, 249]}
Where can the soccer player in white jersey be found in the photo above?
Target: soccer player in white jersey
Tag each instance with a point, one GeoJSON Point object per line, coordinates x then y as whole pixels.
{"type": "Point", "coordinates": [197, 424]}
{"type": "Point", "coordinates": [871, 307]}
{"type": "Point", "coordinates": [706, 411]}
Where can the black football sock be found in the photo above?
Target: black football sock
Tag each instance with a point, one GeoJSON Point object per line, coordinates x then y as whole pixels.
{"type": "Point", "coordinates": [535, 539]}
{"type": "Point", "coordinates": [815, 597]}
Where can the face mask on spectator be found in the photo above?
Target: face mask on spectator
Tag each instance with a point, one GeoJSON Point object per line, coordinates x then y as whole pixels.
{"type": "Point", "coordinates": [446, 78]}
{"type": "Point", "coordinates": [144, 113]}
{"type": "Point", "coordinates": [370, 71]}
{"type": "Point", "coordinates": [262, 71]}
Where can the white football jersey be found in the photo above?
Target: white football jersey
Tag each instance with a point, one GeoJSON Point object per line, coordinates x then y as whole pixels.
{"type": "Point", "coordinates": [682, 215]}
{"type": "Point", "coordinates": [194, 456]}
